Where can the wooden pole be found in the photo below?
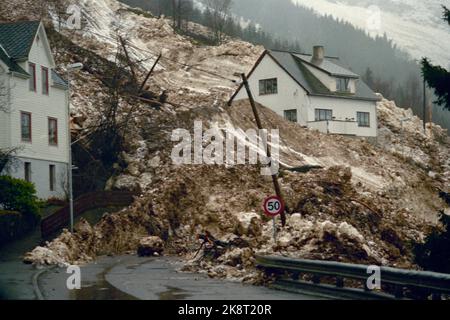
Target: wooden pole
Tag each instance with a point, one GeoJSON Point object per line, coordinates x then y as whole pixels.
{"type": "Point", "coordinates": [276, 184]}
{"type": "Point", "coordinates": [149, 73]}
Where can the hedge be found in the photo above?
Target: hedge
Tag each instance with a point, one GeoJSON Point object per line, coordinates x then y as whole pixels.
{"type": "Point", "coordinates": [19, 208]}
{"type": "Point", "coordinates": [13, 225]}
{"type": "Point", "coordinates": [19, 195]}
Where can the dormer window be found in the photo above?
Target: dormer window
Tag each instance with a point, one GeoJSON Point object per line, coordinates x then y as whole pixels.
{"type": "Point", "coordinates": [343, 84]}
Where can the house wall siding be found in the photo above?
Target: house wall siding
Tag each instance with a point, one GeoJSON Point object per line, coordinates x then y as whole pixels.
{"type": "Point", "coordinates": [290, 95]}
{"type": "Point", "coordinates": [347, 109]}
{"type": "Point", "coordinates": [41, 106]}
{"type": "Point", "coordinates": [40, 176]}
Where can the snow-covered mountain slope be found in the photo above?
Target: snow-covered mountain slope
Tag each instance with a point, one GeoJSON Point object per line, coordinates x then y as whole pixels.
{"type": "Point", "coordinates": [415, 25]}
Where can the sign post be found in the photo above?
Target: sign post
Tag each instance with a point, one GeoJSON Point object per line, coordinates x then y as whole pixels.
{"type": "Point", "coordinates": [273, 206]}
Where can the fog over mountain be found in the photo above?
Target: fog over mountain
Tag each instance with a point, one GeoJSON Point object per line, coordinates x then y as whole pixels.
{"type": "Point", "coordinates": [415, 26]}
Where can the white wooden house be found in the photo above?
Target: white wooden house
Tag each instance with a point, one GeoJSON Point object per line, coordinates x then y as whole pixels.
{"type": "Point", "coordinates": [313, 90]}
{"type": "Point", "coordinates": [33, 108]}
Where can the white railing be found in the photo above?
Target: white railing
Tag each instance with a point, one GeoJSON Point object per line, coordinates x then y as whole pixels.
{"type": "Point", "coordinates": [335, 127]}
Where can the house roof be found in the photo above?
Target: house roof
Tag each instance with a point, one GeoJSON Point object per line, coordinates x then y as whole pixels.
{"type": "Point", "coordinates": [11, 64]}
{"type": "Point", "coordinates": [294, 64]}
{"type": "Point", "coordinates": [16, 39]}
{"type": "Point", "coordinates": [58, 81]}
{"type": "Point", "coordinates": [328, 65]}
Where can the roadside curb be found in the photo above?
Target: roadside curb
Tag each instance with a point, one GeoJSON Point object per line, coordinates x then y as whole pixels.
{"type": "Point", "coordinates": [35, 282]}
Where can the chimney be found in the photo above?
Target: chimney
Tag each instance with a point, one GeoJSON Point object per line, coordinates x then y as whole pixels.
{"type": "Point", "coordinates": [319, 53]}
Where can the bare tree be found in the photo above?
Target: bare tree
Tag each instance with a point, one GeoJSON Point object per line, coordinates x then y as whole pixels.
{"type": "Point", "coordinates": [218, 12]}
{"type": "Point", "coordinates": [181, 11]}
{"type": "Point", "coordinates": [59, 10]}
{"type": "Point", "coordinates": [6, 154]}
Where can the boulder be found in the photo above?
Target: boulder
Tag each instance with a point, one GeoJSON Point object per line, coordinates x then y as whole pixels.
{"type": "Point", "coordinates": [150, 246]}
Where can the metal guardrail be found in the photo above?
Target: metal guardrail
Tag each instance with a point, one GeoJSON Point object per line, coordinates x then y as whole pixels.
{"type": "Point", "coordinates": [88, 201]}
{"type": "Point", "coordinates": [393, 281]}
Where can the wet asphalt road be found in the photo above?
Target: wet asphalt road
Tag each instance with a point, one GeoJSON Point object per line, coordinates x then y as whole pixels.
{"type": "Point", "coordinates": [119, 278]}
{"type": "Point", "coordinates": [130, 277]}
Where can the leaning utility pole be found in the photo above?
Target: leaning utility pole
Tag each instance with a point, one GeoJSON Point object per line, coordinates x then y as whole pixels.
{"type": "Point", "coordinates": [268, 153]}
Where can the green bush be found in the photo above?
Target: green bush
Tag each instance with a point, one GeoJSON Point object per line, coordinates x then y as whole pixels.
{"type": "Point", "coordinates": [19, 195]}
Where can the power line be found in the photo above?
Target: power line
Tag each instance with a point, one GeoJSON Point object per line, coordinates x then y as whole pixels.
{"type": "Point", "coordinates": [155, 55]}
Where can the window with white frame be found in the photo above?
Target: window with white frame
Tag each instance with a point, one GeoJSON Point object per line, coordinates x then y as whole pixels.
{"type": "Point", "coordinates": [25, 126]}
{"type": "Point", "coordinates": [323, 114]}
{"type": "Point", "coordinates": [363, 119]}
{"type": "Point", "coordinates": [53, 131]}
{"type": "Point", "coordinates": [342, 84]}
{"type": "Point", "coordinates": [268, 86]}
{"type": "Point", "coordinates": [291, 115]}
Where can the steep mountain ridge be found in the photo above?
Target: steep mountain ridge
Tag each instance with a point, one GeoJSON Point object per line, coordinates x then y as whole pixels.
{"type": "Point", "coordinates": [416, 26]}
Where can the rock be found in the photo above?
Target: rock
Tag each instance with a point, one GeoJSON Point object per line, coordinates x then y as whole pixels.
{"type": "Point", "coordinates": [346, 230]}
{"type": "Point", "coordinates": [84, 229]}
{"type": "Point", "coordinates": [238, 257]}
{"type": "Point", "coordinates": [150, 246]}
{"type": "Point", "coordinates": [249, 224]}
{"type": "Point", "coordinates": [284, 241]}
{"type": "Point", "coordinates": [43, 256]}
{"type": "Point", "coordinates": [126, 182]}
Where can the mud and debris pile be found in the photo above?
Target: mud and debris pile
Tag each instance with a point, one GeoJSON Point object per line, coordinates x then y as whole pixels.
{"type": "Point", "coordinates": [403, 134]}
{"type": "Point", "coordinates": [351, 210]}
{"type": "Point", "coordinates": [331, 221]}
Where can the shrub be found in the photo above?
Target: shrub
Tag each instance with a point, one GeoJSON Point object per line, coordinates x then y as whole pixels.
{"type": "Point", "coordinates": [13, 226]}
{"type": "Point", "coordinates": [434, 254]}
{"type": "Point", "coordinates": [19, 195]}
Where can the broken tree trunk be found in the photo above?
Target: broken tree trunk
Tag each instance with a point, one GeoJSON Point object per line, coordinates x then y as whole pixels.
{"type": "Point", "coordinates": [149, 73]}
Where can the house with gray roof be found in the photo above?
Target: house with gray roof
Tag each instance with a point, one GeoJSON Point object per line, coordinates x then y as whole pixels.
{"type": "Point", "coordinates": [33, 108]}
{"type": "Point", "coordinates": [315, 91]}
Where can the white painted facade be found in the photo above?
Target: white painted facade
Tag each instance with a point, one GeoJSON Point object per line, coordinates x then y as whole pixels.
{"type": "Point", "coordinates": [291, 95]}
{"type": "Point", "coordinates": [38, 152]}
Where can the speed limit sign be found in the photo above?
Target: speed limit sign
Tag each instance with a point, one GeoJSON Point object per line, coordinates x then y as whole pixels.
{"type": "Point", "coordinates": [273, 206]}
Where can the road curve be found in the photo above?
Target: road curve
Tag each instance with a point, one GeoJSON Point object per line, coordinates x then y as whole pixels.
{"type": "Point", "coordinates": [130, 277]}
